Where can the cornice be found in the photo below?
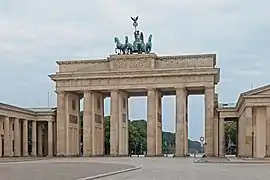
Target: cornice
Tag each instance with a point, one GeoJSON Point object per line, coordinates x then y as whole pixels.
{"type": "Point", "coordinates": [16, 109]}
{"type": "Point", "coordinates": [132, 56]}
{"type": "Point", "coordinates": [25, 111]}
{"type": "Point", "coordinates": [138, 56]}
{"type": "Point", "coordinates": [85, 61]}
{"type": "Point", "coordinates": [188, 56]}
{"type": "Point", "coordinates": [131, 74]}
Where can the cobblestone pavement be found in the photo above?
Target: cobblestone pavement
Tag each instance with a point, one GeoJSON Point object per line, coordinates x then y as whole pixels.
{"type": "Point", "coordinates": [57, 169]}
{"type": "Point", "coordinates": [152, 169]}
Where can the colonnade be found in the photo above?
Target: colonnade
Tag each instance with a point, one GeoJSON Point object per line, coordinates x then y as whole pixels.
{"type": "Point", "coordinates": [15, 141]}
{"type": "Point", "coordinates": [93, 123]}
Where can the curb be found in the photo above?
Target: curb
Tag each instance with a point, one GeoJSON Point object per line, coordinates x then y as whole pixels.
{"type": "Point", "coordinates": [110, 173]}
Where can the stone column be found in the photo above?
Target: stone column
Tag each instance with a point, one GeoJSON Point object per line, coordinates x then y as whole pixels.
{"type": "Point", "coordinates": [209, 120]}
{"type": "Point", "coordinates": [186, 127]}
{"type": "Point", "coordinates": [61, 124]}
{"type": "Point", "coordinates": [151, 122]}
{"type": "Point", "coordinates": [25, 138]}
{"type": "Point", "coordinates": [221, 138]}
{"type": "Point", "coordinates": [45, 140]}
{"type": "Point", "coordinates": [103, 128]}
{"type": "Point", "coordinates": [127, 138]}
{"type": "Point", "coordinates": [54, 138]}
{"type": "Point", "coordinates": [186, 137]}
{"type": "Point", "coordinates": [50, 138]}
{"type": "Point", "coordinates": [1, 134]}
{"type": "Point", "coordinates": [87, 124]}
{"type": "Point", "coordinates": [11, 135]}
{"type": "Point", "coordinates": [114, 139]}
{"type": "Point", "coordinates": [17, 139]}
{"type": "Point", "coordinates": [7, 146]}
{"type": "Point", "coordinates": [40, 140]}
{"type": "Point", "coordinates": [181, 108]}
{"type": "Point", "coordinates": [268, 131]}
{"type": "Point", "coordinates": [216, 134]}
{"type": "Point", "coordinates": [248, 132]}
{"type": "Point", "coordinates": [123, 123]}
{"type": "Point", "coordinates": [34, 138]}
{"type": "Point", "coordinates": [158, 122]}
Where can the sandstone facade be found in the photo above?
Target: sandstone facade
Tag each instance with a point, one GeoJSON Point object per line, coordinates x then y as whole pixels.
{"type": "Point", "coordinates": [57, 131]}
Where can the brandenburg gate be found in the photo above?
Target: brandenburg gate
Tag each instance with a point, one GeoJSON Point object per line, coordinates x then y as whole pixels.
{"type": "Point", "coordinates": [134, 71]}
{"type": "Point", "coordinates": [123, 76]}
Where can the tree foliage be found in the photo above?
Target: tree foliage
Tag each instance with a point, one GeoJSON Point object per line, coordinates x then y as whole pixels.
{"type": "Point", "coordinates": [137, 138]}
{"type": "Point", "coordinates": [230, 132]}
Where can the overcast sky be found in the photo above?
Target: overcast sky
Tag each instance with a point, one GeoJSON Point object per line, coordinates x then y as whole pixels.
{"type": "Point", "coordinates": [36, 33]}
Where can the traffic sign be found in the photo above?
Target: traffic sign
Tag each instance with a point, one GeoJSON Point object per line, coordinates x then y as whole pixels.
{"type": "Point", "coordinates": [201, 138]}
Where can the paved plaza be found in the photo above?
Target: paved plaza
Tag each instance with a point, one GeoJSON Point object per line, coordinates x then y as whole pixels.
{"type": "Point", "coordinates": [151, 168]}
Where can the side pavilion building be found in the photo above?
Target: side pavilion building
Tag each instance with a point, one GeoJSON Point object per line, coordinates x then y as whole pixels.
{"type": "Point", "coordinates": [252, 114]}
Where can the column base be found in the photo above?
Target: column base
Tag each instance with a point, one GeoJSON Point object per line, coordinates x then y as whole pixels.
{"type": "Point", "coordinates": [156, 155]}
{"type": "Point", "coordinates": [113, 155]}
{"type": "Point", "coordinates": [97, 155]}
{"type": "Point", "coordinates": [119, 155]}
{"type": "Point", "coordinates": [123, 155]}
{"type": "Point", "coordinates": [183, 156]}
{"type": "Point", "coordinates": [15, 156]}
{"type": "Point", "coordinates": [7, 156]}
{"type": "Point", "coordinates": [61, 155]}
{"type": "Point", "coordinates": [88, 155]}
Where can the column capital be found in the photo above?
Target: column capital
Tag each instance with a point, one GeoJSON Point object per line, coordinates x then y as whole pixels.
{"type": "Point", "coordinates": [221, 118]}
{"type": "Point", "coordinates": [267, 109]}
{"type": "Point", "coordinates": [60, 92]}
{"type": "Point", "coordinates": [209, 87]}
{"type": "Point", "coordinates": [180, 87]}
{"type": "Point", "coordinates": [151, 89]}
{"type": "Point", "coordinates": [87, 91]}
{"type": "Point", "coordinates": [248, 111]}
{"type": "Point", "coordinates": [114, 90]}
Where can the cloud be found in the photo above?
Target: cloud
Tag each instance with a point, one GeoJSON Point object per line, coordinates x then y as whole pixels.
{"type": "Point", "coordinates": [36, 33]}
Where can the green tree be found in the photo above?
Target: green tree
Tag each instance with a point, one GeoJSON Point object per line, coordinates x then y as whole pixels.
{"type": "Point", "coordinates": [107, 134]}
{"type": "Point", "coordinates": [137, 134]}
{"type": "Point", "coordinates": [230, 132]}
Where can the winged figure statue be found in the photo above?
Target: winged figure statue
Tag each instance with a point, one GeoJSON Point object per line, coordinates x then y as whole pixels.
{"type": "Point", "coordinates": [135, 19]}
{"type": "Point", "coordinates": [138, 46]}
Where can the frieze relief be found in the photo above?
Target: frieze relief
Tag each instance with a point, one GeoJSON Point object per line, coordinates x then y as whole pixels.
{"type": "Point", "coordinates": [131, 64]}
{"type": "Point", "coordinates": [124, 117]}
{"type": "Point", "coordinates": [73, 119]}
{"type": "Point", "coordinates": [187, 57]}
{"type": "Point", "coordinates": [98, 119]}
